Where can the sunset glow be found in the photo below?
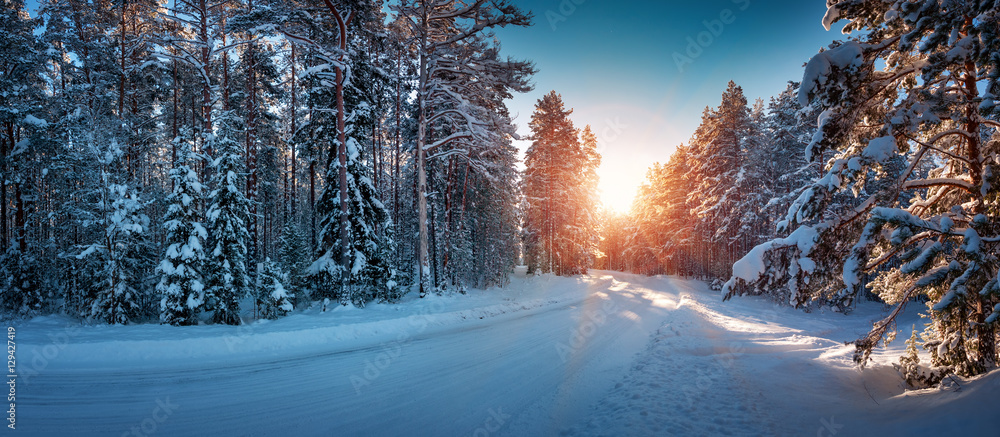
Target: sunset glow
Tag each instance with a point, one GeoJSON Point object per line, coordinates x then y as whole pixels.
{"type": "Point", "coordinates": [618, 187]}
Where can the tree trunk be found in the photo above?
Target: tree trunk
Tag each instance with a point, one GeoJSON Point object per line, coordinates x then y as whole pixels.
{"type": "Point", "coordinates": [376, 162]}
{"type": "Point", "coordinates": [121, 84]}
{"type": "Point", "coordinates": [4, 233]}
{"type": "Point", "coordinates": [314, 156]}
{"type": "Point", "coordinates": [432, 234]}
{"type": "Point", "coordinates": [206, 88]}
{"type": "Point", "coordinates": [175, 128]}
{"type": "Point", "coordinates": [312, 201]}
{"type": "Point", "coordinates": [225, 68]}
{"type": "Point", "coordinates": [461, 214]}
{"type": "Point", "coordinates": [345, 223]}
{"type": "Point", "coordinates": [342, 23]}
{"type": "Point", "coordinates": [424, 267]}
{"type": "Point", "coordinates": [449, 183]}
{"type": "Point", "coordinates": [291, 147]}
{"type": "Point", "coordinates": [20, 219]}
{"type": "Point", "coordinates": [984, 332]}
{"type": "Point", "coordinates": [396, 158]}
{"type": "Point", "coordinates": [251, 152]}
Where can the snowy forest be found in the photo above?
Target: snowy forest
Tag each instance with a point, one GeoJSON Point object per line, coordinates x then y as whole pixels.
{"type": "Point", "coordinates": [873, 178]}
{"type": "Point", "coordinates": [165, 161]}
{"type": "Point", "coordinates": [224, 163]}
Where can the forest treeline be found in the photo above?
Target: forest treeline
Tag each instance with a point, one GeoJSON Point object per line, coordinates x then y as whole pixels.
{"type": "Point", "coordinates": [718, 195]}
{"type": "Point", "coordinates": [877, 174]}
{"type": "Point", "coordinates": [166, 162]}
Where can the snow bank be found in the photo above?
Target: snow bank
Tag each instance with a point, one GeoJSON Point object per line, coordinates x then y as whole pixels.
{"type": "Point", "coordinates": [303, 332]}
{"type": "Point", "coordinates": [749, 367]}
{"type": "Point", "coordinates": [704, 367]}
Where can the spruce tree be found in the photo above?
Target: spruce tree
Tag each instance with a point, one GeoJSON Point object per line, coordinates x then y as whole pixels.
{"type": "Point", "coordinates": [368, 275]}
{"type": "Point", "coordinates": [295, 258]}
{"type": "Point", "coordinates": [123, 254]}
{"type": "Point", "coordinates": [181, 285]}
{"type": "Point", "coordinates": [21, 287]}
{"type": "Point", "coordinates": [227, 280]}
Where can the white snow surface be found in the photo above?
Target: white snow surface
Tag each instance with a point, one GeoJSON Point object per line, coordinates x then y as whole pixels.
{"type": "Point", "coordinates": [604, 354]}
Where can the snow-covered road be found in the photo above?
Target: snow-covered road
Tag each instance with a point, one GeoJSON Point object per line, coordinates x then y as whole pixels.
{"type": "Point", "coordinates": [532, 371]}
{"type": "Point", "coordinates": [606, 354]}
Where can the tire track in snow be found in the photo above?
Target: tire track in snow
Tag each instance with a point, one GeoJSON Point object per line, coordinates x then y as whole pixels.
{"type": "Point", "coordinates": [688, 381]}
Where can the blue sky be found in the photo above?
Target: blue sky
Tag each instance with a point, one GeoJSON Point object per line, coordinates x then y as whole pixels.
{"type": "Point", "coordinates": [614, 63]}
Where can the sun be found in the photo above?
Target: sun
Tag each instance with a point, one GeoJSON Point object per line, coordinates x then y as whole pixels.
{"type": "Point", "coordinates": [618, 190]}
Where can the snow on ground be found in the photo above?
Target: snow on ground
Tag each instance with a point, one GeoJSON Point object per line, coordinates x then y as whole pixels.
{"type": "Point", "coordinates": [749, 367]}
{"type": "Point", "coordinates": [605, 354]}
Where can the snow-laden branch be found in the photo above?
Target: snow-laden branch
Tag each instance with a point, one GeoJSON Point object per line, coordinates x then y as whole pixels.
{"type": "Point", "coordinates": [937, 182]}
{"type": "Point", "coordinates": [469, 119]}
{"type": "Point", "coordinates": [458, 13]}
{"type": "Point", "coordinates": [448, 139]}
{"type": "Point", "coordinates": [936, 138]}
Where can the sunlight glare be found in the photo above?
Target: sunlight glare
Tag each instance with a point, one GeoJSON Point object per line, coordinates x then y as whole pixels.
{"type": "Point", "coordinates": [617, 190]}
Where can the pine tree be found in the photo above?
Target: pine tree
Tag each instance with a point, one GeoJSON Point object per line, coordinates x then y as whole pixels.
{"type": "Point", "coordinates": [754, 188]}
{"type": "Point", "coordinates": [227, 280]}
{"type": "Point", "coordinates": [556, 190]}
{"type": "Point", "coordinates": [912, 146]}
{"type": "Point", "coordinates": [720, 146]}
{"type": "Point", "coordinates": [195, 38]}
{"type": "Point", "coordinates": [646, 241]}
{"type": "Point", "coordinates": [789, 128]}
{"type": "Point", "coordinates": [660, 236]}
{"type": "Point", "coordinates": [452, 48]}
{"type": "Point", "coordinates": [181, 286]}
{"type": "Point", "coordinates": [614, 232]}
{"type": "Point", "coordinates": [585, 202]}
